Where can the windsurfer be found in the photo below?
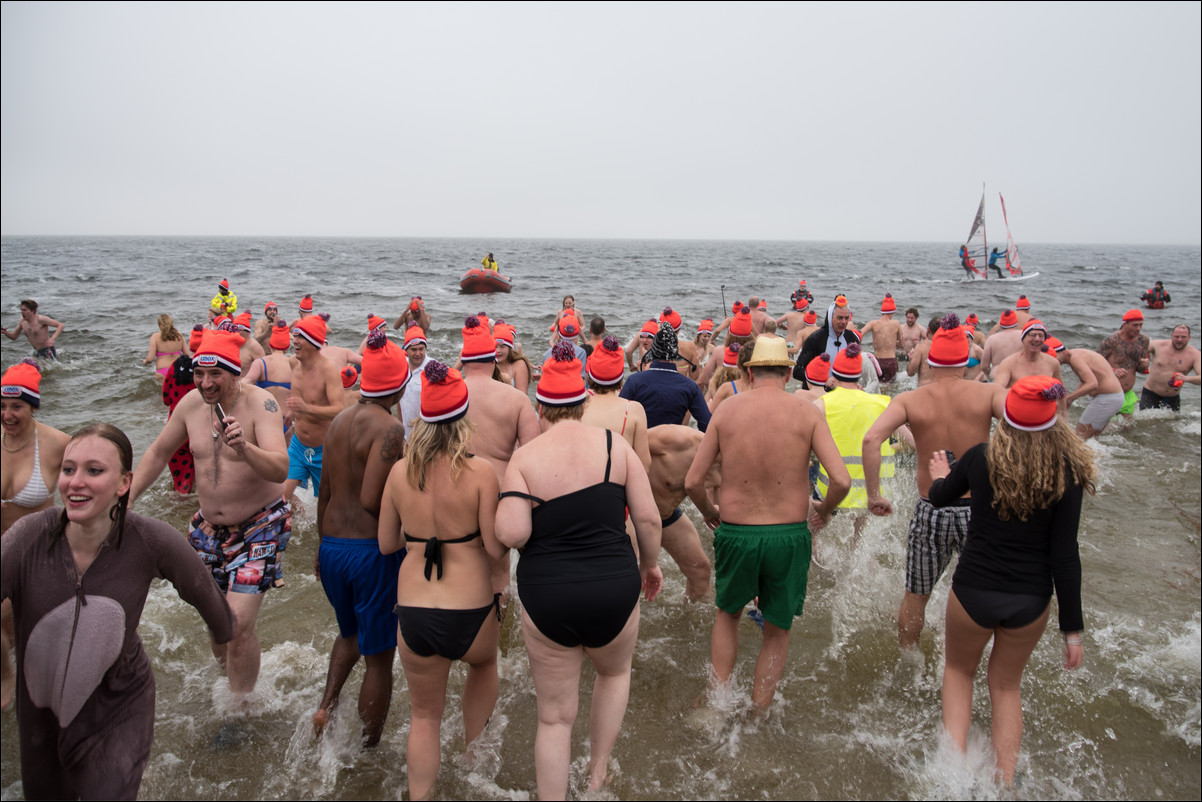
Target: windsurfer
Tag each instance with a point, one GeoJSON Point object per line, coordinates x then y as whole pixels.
{"type": "Point", "coordinates": [993, 257]}
{"type": "Point", "coordinates": [967, 262]}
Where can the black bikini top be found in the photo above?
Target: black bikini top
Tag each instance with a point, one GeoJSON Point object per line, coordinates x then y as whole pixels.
{"type": "Point", "coordinates": [609, 436]}
{"type": "Point", "coordinates": [433, 552]}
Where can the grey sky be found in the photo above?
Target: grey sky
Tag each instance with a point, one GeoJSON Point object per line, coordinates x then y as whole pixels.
{"type": "Point", "coordinates": [830, 122]}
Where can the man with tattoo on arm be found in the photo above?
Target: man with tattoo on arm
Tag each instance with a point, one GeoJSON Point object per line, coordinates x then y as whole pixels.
{"type": "Point", "coordinates": [362, 444]}
{"type": "Point", "coordinates": [236, 436]}
{"type": "Point", "coordinates": [1127, 352]}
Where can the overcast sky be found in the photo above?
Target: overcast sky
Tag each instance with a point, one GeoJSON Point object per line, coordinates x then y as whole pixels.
{"type": "Point", "coordinates": [721, 121]}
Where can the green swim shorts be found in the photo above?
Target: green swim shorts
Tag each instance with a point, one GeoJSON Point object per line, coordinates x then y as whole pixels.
{"type": "Point", "coordinates": [770, 561]}
{"type": "Point", "coordinates": [1129, 400]}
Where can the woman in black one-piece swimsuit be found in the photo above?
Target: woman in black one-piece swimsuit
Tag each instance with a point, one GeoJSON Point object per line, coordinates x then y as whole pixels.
{"type": "Point", "coordinates": [564, 505]}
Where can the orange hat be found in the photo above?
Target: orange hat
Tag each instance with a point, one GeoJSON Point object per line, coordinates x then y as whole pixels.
{"type": "Point", "coordinates": [1133, 314]}
{"type": "Point", "coordinates": [561, 384]}
{"type": "Point", "coordinates": [801, 303]}
{"type": "Point", "coordinates": [224, 285]}
{"type": "Point", "coordinates": [1053, 345]}
{"type": "Point", "coordinates": [848, 363]}
{"type": "Point", "coordinates": [1031, 403]}
{"type": "Point", "coordinates": [888, 305]}
{"type": "Point", "coordinates": [841, 301]}
{"type": "Point", "coordinates": [1023, 303]}
{"type": "Point", "coordinates": [478, 344]}
{"type": "Point", "coordinates": [569, 326]}
{"type": "Point", "coordinates": [415, 303]}
{"type": "Point", "coordinates": [949, 347]}
{"type": "Point", "coordinates": [219, 349]}
{"type": "Point", "coordinates": [504, 333]}
{"type": "Point", "coordinates": [972, 319]}
{"type": "Point", "coordinates": [706, 325]}
{"type": "Point", "coordinates": [763, 307]}
{"type": "Point", "coordinates": [605, 364]}
{"type": "Point", "coordinates": [350, 375]}
{"type": "Point", "coordinates": [802, 283]}
{"type": "Point", "coordinates": [671, 317]}
{"type": "Point", "coordinates": [1033, 325]}
{"type": "Point", "coordinates": [484, 321]}
{"type": "Point", "coordinates": [270, 305]}
{"type": "Point", "coordinates": [385, 368]}
{"type": "Point", "coordinates": [24, 381]}
{"type": "Point", "coordinates": [735, 307]}
{"type": "Point", "coordinates": [194, 339]}
{"type": "Point", "coordinates": [741, 325]}
{"type": "Point", "coordinates": [1009, 319]}
{"type": "Point", "coordinates": [280, 336]}
{"type": "Point", "coordinates": [444, 393]}
{"type": "Point", "coordinates": [374, 322]}
{"type": "Point", "coordinates": [650, 328]}
{"type": "Point", "coordinates": [306, 303]}
{"type": "Point", "coordinates": [819, 369]}
{"type": "Point", "coordinates": [810, 318]}
{"type": "Point", "coordinates": [312, 329]}
{"type": "Point", "coordinates": [730, 355]}
{"type": "Point", "coordinates": [415, 335]}
{"type": "Point", "coordinates": [242, 322]}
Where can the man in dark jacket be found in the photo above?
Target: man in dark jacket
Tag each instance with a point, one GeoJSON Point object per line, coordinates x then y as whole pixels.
{"type": "Point", "coordinates": [832, 336]}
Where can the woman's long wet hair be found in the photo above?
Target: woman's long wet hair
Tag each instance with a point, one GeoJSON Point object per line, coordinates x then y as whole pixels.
{"type": "Point", "coordinates": [428, 441]}
{"type": "Point", "coordinates": [167, 330]}
{"type": "Point", "coordinates": [126, 451]}
{"type": "Point", "coordinates": [1029, 471]}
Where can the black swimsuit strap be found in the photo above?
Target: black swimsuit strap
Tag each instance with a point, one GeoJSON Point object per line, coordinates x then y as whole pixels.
{"type": "Point", "coordinates": [609, 443]}
{"type": "Point", "coordinates": [433, 550]}
{"type": "Point", "coordinates": [520, 494]}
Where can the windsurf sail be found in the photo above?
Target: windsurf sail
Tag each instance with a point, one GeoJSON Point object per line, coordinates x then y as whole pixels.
{"type": "Point", "coordinates": [975, 248]}
{"type": "Point", "coordinates": [1013, 264]}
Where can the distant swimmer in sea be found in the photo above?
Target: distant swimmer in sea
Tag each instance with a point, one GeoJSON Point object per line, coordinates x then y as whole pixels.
{"type": "Point", "coordinates": [1156, 297]}
{"type": "Point", "coordinates": [885, 333]}
{"type": "Point", "coordinates": [993, 258]}
{"type": "Point", "coordinates": [37, 329]}
{"type": "Point", "coordinates": [489, 262]}
{"type": "Point", "coordinates": [414, 313]}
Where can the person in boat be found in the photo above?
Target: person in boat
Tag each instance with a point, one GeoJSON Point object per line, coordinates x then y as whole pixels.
{"type": "Point", "coordinates": [1156, 297]}
{"type": "Point", "coordinates": [993, 258]}
{"type": "Point", "coordinates": [224, 302]}
{"type": "Point", "coordinates": [489, 263]}
{"type": "Point", "coordinates": [967, 262]}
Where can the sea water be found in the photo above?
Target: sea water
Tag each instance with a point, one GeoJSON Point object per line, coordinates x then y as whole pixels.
{"type": "Point", "coordinates": [851, 719]}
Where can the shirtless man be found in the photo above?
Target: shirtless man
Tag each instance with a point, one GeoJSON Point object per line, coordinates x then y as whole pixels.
{"type": "Point", "coordinates": [596, 333]}
{"type": "Point", "coordinates": [1022, 313]}
{"type": "Point", "coordinates": [265, 324]}
{"type": "Point", "coordinates": [918, 366]}
{"type": "Point", "coordinates": [793, 321]}
{"type": "Point", "coordinates": [1127, 352]}
{"type": "Point", "coordinates": [809, 326]}
{"type": "Point", "coordinates": [886, 333]}
{"type": "Point", "coordinates": [1004, 340]}
{"type": "Point", "coordinates": [759, 315]}
{"type": "Point", "coordinates": [243, 525]}
{"type": "Point", "coordinates": [1170, 364]}
{"type": "Point", "coordinates": [416, 313]}
{"type": "Point", "coordinates": [273, 372]}
{"type": "Point", "coordinates": [911, 334]}
{"type": "Point", "coordinates": [1095, 379]}
{"type": "Point", "coordinates": [504, 417]}
{"type": "Point", "coordinates": [672, 449]}
{"type": "Point", "coordinates": [36, 329]}
{"type": "Point", "coordinates": [948, 413]}
{"type": "Point", "coordinates": [250, 350]}
{"type": "Point", "coordinates": [640, 344]}
{"type": "Point", "coordinates": [762, 546]}
{"type": "Point", "coordinates": [735, 308]}
{"type": "Point", "coordinates": [1030, 360]}
{"type": "Point", "coordinates": [306, 310]}
{"type": "Point", "coordinates": [315, 400]}
{"type": "Point", "coordinates": [364, 441]}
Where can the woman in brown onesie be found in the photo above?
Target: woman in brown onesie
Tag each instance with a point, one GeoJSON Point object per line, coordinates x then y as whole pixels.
{"type": "Point", "coordinates": [78, 579]}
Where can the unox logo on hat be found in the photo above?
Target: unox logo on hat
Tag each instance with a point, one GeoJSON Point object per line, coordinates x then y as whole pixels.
{"type": "Point", "coordinates": [206, 361]}
{"type": "Point", "coordinates": [11, 391]}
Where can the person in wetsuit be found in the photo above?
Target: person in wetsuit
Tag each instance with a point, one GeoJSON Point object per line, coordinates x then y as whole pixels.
{"type": "Point", "coordinates": [564, 501]}
{"type": "Point", "coordinates": [1027, 483]}
{"type": "Point", "coordinates": [993, 260]}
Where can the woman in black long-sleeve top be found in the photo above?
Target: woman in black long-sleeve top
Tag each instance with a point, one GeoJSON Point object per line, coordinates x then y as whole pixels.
{"type": "Point", "coordinates": [1027, 484]}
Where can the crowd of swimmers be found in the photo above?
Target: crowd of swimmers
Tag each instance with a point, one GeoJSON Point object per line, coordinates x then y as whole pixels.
{"type": "Point", "coordinates": [428, 473]}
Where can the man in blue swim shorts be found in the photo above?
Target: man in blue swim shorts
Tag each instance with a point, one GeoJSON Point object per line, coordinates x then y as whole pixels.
{"type": "Point", "coordinates": [763, 440]}
{"type": "Point", "coordinates": [364, 442]}
{"type": "Point", "coordinates": [316, 398]}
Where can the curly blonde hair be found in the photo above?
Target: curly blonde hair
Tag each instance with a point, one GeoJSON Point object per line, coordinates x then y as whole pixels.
{"type": "Point", "coordinates": [429, 441]}
{"type": "Point", "coordinates": [1030, 471]}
